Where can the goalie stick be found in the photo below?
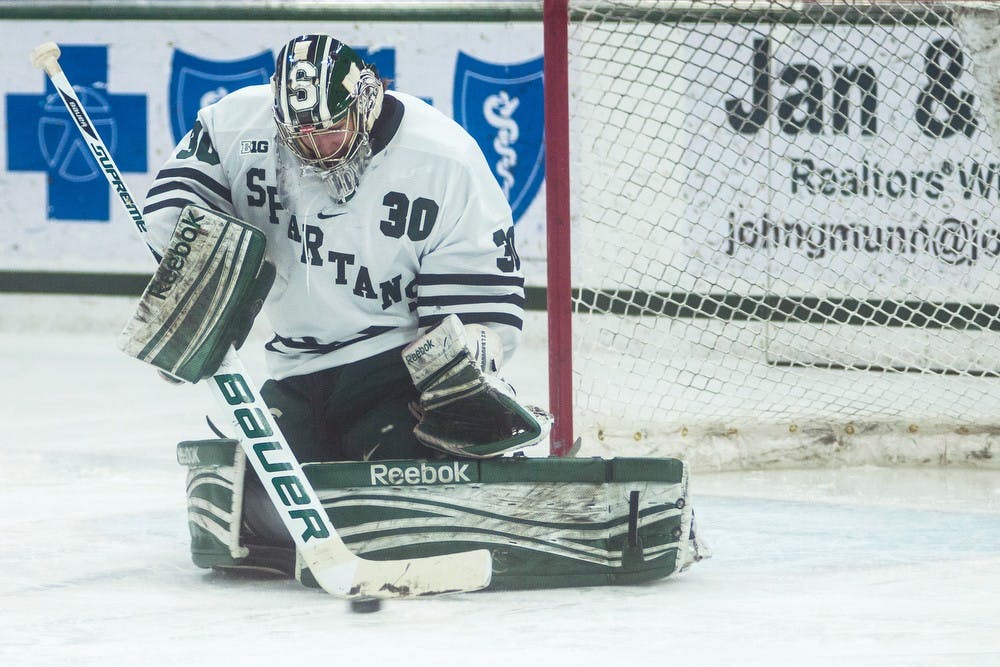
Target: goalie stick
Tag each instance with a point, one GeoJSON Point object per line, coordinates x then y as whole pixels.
{"type": "Point", "coordinates": [334, 566]}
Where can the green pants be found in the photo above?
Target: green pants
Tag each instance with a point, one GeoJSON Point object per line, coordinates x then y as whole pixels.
{"type": "Point", "coordinates": [356, 412]}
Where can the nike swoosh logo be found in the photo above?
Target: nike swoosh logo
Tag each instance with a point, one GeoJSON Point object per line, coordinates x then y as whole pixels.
{"type": "Point", "coordinates": [322, 216]}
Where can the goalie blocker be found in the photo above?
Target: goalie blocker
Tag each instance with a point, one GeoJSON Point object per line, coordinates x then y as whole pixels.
{"type": "Point", "coordinates": [548, 522]}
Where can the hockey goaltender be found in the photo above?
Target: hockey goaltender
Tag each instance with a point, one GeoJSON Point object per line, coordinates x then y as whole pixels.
{"type": "Point", "coordinates": [371, 229]}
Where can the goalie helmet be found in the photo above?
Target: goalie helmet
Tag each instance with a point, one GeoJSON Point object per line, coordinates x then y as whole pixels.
{"type": "Point", "coordinates": [326, 100]}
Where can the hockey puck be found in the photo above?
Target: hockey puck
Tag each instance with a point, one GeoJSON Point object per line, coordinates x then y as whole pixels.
{"type": "Point", "coordinates": [365, 605]}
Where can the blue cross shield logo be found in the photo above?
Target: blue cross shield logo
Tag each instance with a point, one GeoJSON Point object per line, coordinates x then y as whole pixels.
{"type": "Point", "coordinates": [196, 82]}
{"type": "Point", "coordinates": [41, 136]}
{"type": "Point", "coordinates": [501, 106]}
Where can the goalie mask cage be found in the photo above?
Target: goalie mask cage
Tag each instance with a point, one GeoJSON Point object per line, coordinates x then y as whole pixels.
{"type": "Point", "coordinates": [774, 230]}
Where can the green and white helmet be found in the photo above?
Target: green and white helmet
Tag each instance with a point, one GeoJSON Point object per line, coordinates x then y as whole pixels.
{"type": "Point", "coordinates": [326, 100]}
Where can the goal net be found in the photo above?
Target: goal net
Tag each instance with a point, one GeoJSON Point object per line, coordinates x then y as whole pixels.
{"type": "Point", "coordinates": [784, 231]}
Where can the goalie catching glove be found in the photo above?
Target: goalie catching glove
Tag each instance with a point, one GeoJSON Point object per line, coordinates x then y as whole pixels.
{"type": "Point", "coordinates": [466, 409]}
{"type": "Point", "coordinates": [204, 296]}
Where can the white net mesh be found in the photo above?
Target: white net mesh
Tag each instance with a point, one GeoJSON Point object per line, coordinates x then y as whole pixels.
{"type": "Point", "coordinates": [785, 225]}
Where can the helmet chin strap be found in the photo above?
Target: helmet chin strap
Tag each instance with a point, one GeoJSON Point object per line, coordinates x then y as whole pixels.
{"type": "Point", "coordinates": [344, 178]}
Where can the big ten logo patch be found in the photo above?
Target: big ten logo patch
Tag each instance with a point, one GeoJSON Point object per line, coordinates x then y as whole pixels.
{"type": "Point", "coordinates": [249, 147]}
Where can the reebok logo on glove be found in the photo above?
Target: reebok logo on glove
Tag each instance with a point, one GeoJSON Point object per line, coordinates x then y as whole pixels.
{"type": "Point", "coordinates": [168, 273]}
{"type": "Point", "coordinates": [415, 355]}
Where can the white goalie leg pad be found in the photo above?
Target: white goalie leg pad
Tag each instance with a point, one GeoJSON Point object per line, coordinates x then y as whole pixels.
{"type": "Point", "coordinates": [463, 409]}
{"type": "Point", "coordinates": [215, 482]}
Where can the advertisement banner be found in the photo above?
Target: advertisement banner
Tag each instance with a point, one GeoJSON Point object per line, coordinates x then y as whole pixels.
{"type": "Point", "coordinates": [862, 169]}
{"type": "Point", "coordinates": [142, 83]}
{"type": "Point", "coordinates": [822, 160]}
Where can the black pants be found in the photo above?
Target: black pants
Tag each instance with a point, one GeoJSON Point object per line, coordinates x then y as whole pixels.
{"type": "Point", "coordinates": [351, 413]}
{"type": "Point", "coordinates": [355, 412]}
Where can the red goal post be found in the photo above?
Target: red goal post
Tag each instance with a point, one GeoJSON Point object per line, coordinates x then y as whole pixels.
{"type": "Point", "coordinates": [773, 230]}
{"type": "Point", "coordinates": [558, 236]}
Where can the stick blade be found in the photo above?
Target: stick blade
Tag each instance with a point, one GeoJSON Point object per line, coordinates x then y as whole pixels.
{"type": "Point", "coordinates": [419, 577]}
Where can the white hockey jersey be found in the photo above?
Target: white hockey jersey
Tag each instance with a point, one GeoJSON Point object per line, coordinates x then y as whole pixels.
{"type": "Point", "coordinates": [428, 232]}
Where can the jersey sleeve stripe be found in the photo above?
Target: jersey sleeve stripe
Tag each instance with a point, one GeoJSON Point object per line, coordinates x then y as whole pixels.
{"type": "Point", "coordinates": [514, 299]}
{"type": "Point", "coordinates": [197, 176]}
{"type": "Point", "coordinates": [177, 202]}
{"type": "Point", "coordinates": [474, 318]}
{"type": "Point", "coordinates": [176, 186]}
{"type": "Point", "coordinates": [469, 279]}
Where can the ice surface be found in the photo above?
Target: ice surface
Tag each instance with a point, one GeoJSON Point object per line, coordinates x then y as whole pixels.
{"type": "Point", "coordinates": [824, 567]}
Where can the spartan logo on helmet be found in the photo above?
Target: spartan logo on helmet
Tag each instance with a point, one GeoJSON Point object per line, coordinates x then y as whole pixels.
{"type": "Point", "coordinates": [326, 100]}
